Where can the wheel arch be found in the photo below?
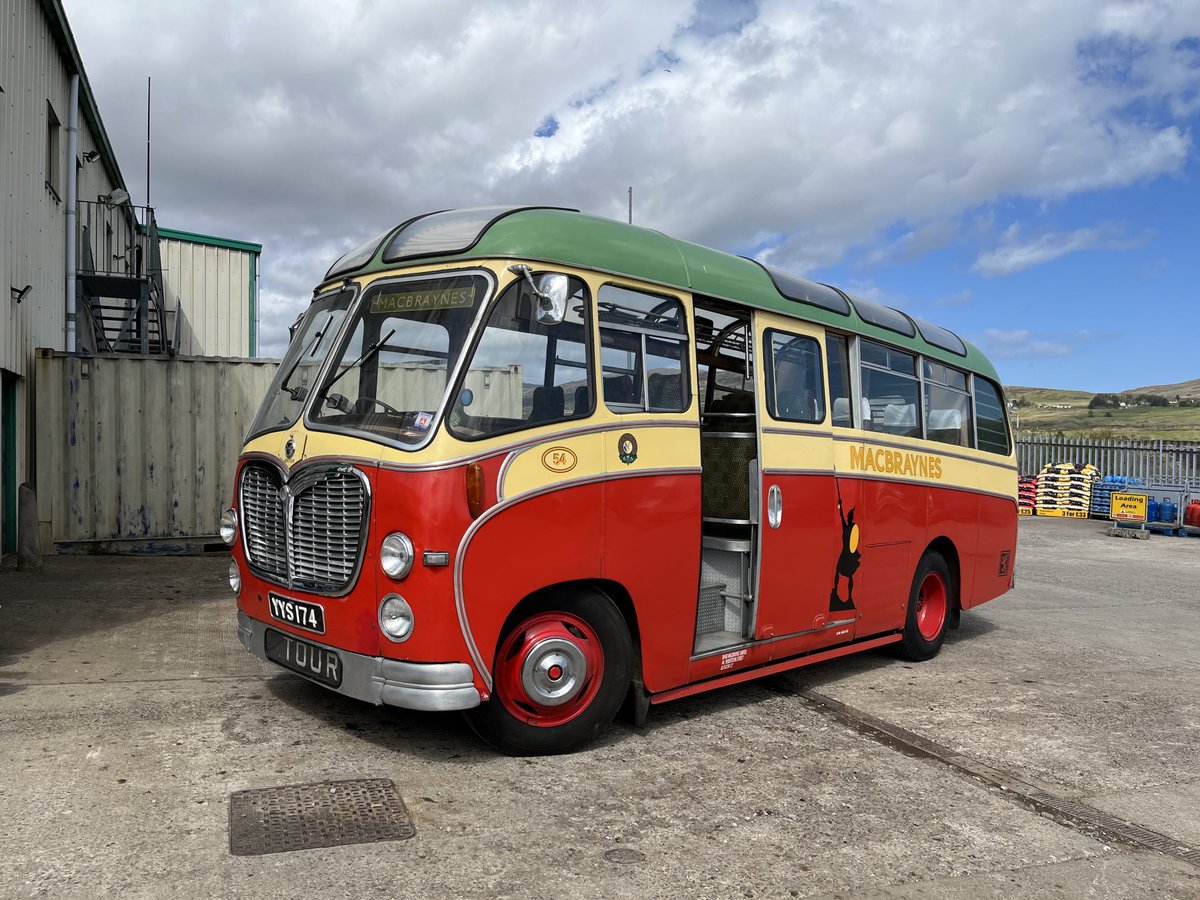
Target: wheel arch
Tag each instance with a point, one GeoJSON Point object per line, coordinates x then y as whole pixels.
{"type": "Point", "coordinates": [945, 548]}
{"type": "Point", "coordinates": [613, 590]}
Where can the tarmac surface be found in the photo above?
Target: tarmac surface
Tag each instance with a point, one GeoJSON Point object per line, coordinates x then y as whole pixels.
{"type": "Point", "coordinates": [1005, 767]}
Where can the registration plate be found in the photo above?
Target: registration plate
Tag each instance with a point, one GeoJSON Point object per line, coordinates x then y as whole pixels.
{"type": "Point", "coordinates": [317, 663]}
{"type": "Point", "coordinates": [298, 613]}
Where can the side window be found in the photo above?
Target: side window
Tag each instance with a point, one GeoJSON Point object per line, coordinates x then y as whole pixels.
{"type": "Point", "coordinates": [524, 374]}
{"type": "Point", "coordinates": [947, 405]}
{"type": "Point", "coordinates": [643, 351]}
{"type": "Point", "coordinates": [839, 380]}
{"type": "Point", "coordinates": [795, 392]}
{"type": "Point", "coordinates": [890, 388]}
{"type": "Point", "coordinates": [991, 423]}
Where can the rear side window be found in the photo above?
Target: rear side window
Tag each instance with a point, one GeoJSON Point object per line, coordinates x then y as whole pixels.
{"type": "Point", "coordinates": [795, 392]}
{"type": "Point", "coordinates": [947, 405]}
{"type": "Point", "coordinates": [990, 421]}
{"type": "Point", "coordinates": [643, 351]}
{"type": "Point", "coordinates": [890, 389]}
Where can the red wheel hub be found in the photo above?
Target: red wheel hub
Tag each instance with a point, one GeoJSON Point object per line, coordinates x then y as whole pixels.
{"type": "Point", "coordinates": [931, 606]}
{"type": "Point", "coordinates": [549, 669]}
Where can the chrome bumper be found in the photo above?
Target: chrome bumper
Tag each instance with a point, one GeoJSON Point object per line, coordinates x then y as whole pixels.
{"type": "Point", "coordinates": [437, 687]}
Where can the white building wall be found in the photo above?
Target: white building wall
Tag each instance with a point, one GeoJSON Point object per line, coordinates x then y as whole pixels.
{"type": "Point", "coordinates": [37, 60]}
{"type": "Point", "coordinates": [212, 283]}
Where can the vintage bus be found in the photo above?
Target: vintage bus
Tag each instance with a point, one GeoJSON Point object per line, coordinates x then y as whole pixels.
{"type": "Point", "coordinates": [534, 464]}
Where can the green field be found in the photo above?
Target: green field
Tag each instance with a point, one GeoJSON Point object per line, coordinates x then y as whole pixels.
{"type": "Point", "coordinates": [1142, 423]}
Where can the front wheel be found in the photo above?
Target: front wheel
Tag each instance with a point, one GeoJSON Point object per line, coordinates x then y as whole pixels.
{"type": "Point", "coordinates": [930, 603]}
{"type": "Point", "coordinates": [561, 672]}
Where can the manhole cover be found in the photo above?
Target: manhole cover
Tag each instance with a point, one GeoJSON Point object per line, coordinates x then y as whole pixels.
{"type": "Point", "coordinates": [305, 816]}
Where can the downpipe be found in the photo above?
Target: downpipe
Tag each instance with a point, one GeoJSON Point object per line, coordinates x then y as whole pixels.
{"type": "Point", "coordinates": [72, 204]}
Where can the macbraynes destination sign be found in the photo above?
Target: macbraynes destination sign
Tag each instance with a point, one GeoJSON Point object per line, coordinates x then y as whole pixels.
{"type": "Point", "coordinates": [419, 301]}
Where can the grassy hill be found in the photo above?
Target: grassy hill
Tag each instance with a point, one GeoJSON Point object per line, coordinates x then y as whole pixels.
{"type": "Point", "coordinates": [1186, 390]}
{"type": "Point", "coordinates": [1047, 409]}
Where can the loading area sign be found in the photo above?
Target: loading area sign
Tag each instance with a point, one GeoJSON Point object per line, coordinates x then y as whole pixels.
{"type": "Point", "coordinates": [1128, 508]}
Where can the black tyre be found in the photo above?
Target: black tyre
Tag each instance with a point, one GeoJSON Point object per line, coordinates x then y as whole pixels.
{"type": "Point", "coordinates": [930, 604]}
{"type": "Point", "coordinates": [561, 673]}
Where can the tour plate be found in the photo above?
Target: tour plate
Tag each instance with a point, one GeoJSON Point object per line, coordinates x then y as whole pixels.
{"type": "Point", "coordinates": [317, 663]}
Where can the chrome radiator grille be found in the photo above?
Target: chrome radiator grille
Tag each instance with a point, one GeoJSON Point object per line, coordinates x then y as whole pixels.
{"type": "Point", "coordinates": [309, 532]}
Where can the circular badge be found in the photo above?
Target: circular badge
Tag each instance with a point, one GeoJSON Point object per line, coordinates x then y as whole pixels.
{"type": "Point", "coordinates": [627, 448]}
{"type": "Point", "coordinates": [289, 449]}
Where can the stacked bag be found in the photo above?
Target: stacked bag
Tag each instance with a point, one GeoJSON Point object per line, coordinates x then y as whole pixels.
{"type": "Point", "coordinates": [1066, 486]}
{"type": "Point", "coordinates": [1027, 491]}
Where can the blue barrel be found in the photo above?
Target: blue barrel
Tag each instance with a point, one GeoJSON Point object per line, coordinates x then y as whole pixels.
{"type": "Point", "coordinates": [1151, 510]}
{"type": "Point", "coordinates": [1167, 510]}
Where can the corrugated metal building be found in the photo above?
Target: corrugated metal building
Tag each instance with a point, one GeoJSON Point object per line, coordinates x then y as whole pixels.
{"type": "Point", "coordinates": [211, 287]}
{"type": "Point", "coordinates": [70, 238]}
{"type": "Point", "coordinates": [39, 65]}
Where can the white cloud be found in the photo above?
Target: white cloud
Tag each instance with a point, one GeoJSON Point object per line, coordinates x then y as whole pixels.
{"type": "Point", "coordinates": [808, 129]}
{"type": "Point", "coordinates": [1021, 343]}
{"type": "Point", "coordinates": [1018, 253]}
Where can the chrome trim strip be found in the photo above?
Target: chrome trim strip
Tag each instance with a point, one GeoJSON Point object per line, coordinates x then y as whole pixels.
{"type": "Point", "coordinates": [941, 487]}
{"type": "Point", "coordinates": [781, 471]}
{"type": "Point", "coordinates": [434, 687]}
{"type": "Point", "coordinates": [923, 449]}
{"type": "Point", "coordinates": [460, 602]}
{"type": "Point", "coordinates": [772, 640]}
{"type": "Point", "coordinates": [792, 431]}
{"type": "Point", "coordinates": [541, 439]}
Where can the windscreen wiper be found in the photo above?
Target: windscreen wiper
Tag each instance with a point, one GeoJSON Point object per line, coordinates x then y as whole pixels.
{"type": "Point", "coordinates": [367, 354]}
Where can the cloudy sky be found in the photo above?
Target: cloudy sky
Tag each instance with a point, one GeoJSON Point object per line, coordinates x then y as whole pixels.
{"type": "Point", "coordinates": [1025, 173]}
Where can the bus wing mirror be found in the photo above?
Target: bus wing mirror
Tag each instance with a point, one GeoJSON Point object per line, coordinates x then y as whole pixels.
{"type": "Point", "coordinates": [552, 299]}
{"type": "Point", "coordinates": [550, 291]}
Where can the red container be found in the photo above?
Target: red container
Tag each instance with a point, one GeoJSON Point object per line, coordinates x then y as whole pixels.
{"type": "Point", "coordinates": [1191, 515]}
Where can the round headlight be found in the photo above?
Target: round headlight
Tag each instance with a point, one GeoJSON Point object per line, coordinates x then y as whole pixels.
{"type": "Point", "coordinates": [396, 618]}
{"type": "Point", "coordinates": [229, 526]}
{"type": "Point", "coordinates": [396, 555]}
{"type": "Point", "coordinates": [235, 577]}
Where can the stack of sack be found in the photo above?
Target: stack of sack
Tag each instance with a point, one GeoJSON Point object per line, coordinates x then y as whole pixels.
{"type": "Point", "coordinates": [1027, 491]}
{"type": "Point", "coordinates": [1066, 486]}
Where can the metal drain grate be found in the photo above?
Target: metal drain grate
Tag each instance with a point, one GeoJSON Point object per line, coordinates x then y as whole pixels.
{"type": "Point", "coordinates": [306, 816]}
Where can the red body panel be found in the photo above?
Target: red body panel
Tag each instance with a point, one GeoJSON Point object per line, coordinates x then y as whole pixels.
{"type": "Point", "coordinates": [643, 534]}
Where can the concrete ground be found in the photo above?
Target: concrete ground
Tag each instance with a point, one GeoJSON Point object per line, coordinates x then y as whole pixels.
{"type": "Point", "coordinates": [129, 713]}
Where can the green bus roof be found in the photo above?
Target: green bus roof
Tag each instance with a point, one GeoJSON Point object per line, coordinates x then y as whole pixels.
{"type": "Point", "coordinates": [575, 239]}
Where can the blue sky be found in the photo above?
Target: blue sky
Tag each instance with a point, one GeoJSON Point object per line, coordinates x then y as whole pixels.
{"type": "Point", "coordinates": [1024, 173]}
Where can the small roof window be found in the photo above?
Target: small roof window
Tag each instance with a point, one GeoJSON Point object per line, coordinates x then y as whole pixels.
{"type": "Point", "coordinates": [941, 337]}
{"type": "Point", "coordinates": [802, 290]}
{"type": "Point", "coordinates": [884, 316]}
{"type": "Point", "coordinates": [358, 257]}
{"type": "Point", "coordinates": [450, 231]}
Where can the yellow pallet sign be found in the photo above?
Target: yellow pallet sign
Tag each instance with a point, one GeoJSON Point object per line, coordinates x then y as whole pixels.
{"type": "Point", "coordinates": [1063, 513]}
{"type": "Point", "coordinates": [1128, 508]}
{"type": "Point", "coordinates": [1025, 510]}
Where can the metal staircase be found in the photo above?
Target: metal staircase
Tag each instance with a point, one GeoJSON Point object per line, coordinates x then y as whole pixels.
{"type": "Point", "coordinates": [119, 283]}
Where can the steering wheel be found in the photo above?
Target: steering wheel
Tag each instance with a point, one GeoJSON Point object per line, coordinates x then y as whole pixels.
{"type": "Point", "coordinates": [364, 405]}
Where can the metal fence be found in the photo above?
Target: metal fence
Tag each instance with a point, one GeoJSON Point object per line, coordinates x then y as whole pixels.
{"type": "Point", "coordinates": [1158, 462]}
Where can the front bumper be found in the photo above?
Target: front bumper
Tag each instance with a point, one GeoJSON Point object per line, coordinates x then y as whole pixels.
{"type": "Point", "coordinates": [437, 687]}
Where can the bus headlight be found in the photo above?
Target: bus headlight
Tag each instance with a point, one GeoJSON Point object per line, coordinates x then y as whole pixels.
{"type": "Point", "coordinates": [235, 577]}
{"type": "Point", "coordinates": [229, 526]}
{"type": "Point", "coordinates": [396, 618]}
{"type": "Point", "coordinates": [396, 555]}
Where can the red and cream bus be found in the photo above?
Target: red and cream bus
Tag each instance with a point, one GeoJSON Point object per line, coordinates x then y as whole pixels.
{"type": "Point", "coordinates": [531, 464]}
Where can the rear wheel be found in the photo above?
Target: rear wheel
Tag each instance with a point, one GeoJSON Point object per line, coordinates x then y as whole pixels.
{"type": "Point", "coordinates": [930, 603]}
{"type": "Point", "coordinates": [561, 672]}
